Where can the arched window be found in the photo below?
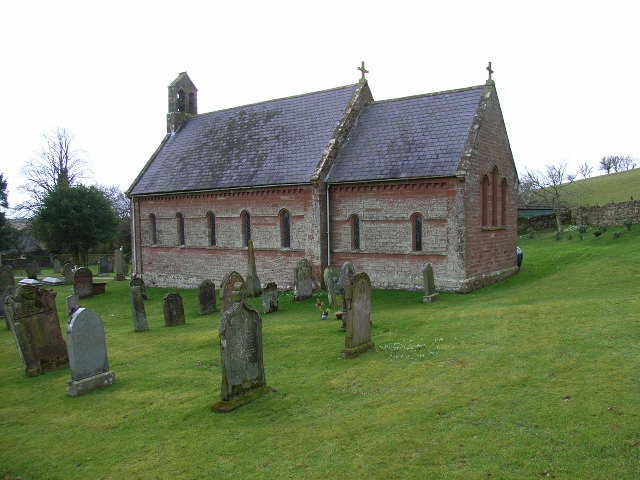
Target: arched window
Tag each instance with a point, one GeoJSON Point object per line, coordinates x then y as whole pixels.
{"type": "Point", "coordinates": [494, 196]}
{"type": "Point", "coordinates": [355, 232]}
{"type": "Point", "coordinates": [211, 228]}
{"type": "Point", "coordinates": [503, 202]}
{"type": "Point", "coordinates": [192, 103]}
{"type": "Point", "coordinates": [485, 201]}
{"type": "Point", "coordinates": [180, 224]}
{"type": "Point", "coordinates": [181, 101]}
{"type": "Point", "coordinates": [285, 229]}
{"type": "Point", "coordinates": [416, 227]}
{"type": "Point", "coordinates": [246, 227]}
{"type": "Point", "coordinates": [153, 228]}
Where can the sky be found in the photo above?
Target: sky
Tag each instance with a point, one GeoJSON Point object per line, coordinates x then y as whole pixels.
{"type": "Point", "coordinates": [567, 72]}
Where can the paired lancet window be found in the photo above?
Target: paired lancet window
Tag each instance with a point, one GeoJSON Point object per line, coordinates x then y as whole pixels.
{"type": "Point", "coordinates": [493, 199]}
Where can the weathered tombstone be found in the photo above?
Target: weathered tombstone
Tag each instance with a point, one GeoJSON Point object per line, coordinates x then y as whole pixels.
{"type": "Point", "coordinates": [32, 271]}
{"type": "Point", "coordinates": [6, 310]}
{"type": "Point", "coordinates": [37, 266]}
{"type": "Point", "coordinates": [103, 266]}
{"type": "Point", "coordinates": [52, 281]}
{"type": "Point", "coordinates": [243, 377]}
{"type": "Point", "coordinates": [67, 271]}
{"type": "Point", "coordinates": [303, 282]}
{"type": "Point", "coordinates": [270, 298]}
{"type": "Point", "coordinates": [207, 297]}
{"type": "Point", "coordinates": [137, 309]}
{"type": "Point", "coordinates": [137, 281]}
{"type": "Point", "coordinates": [56, 266]}
{"type": "Point", "coordinates": [83, 282]}
{"type": "Point", "coordinates": [119, 261]}
{"type": "Point", "coordinates": [36, 329]}
{"type": "Point", "coordinates": [331, 276]}
{"type": "Point", "coordinates": [345, 276]}
{"type": "Point", "coordinates": [87, 354]}
{"type": "Point", "coordinates": [29, 281]}
{"type": "Point", "coordinates": [111, 262]}
{"type": "Point", "coordinates": [73, 304]}
{"type": "Point", "coordinates": [254, 289]}
{"type": "Point", "coordinates": [430, 293]}
{"type": "Point", "coordinates": [6, 280]}
{"type": "Point", "coordinates": [358, 295]}
{"type": "Point", "coordinates": [173, 309]}
{"type": "Point", "coordinates": [232, 290]}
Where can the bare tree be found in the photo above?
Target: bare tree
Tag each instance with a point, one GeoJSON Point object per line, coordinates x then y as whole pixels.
{"type": "Point", "coordinates": [56, 164]}
{"type": "Point", "coordinates": [606, 163]}
{"type": "Point", "coordinates": [585, 170]}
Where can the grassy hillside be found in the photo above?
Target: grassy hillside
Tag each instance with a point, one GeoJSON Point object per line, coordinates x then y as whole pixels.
{"type": "Point", "coordinates": [534, 377]}
{"type": "Point", "coordinates": [614, 187]}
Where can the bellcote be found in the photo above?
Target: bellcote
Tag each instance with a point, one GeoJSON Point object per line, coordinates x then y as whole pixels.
{"type": "Point", "coordinates": [183, 101]}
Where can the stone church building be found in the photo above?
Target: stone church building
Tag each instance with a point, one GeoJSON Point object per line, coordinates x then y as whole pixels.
{"type": "Point", "coordinates": [330, 176]}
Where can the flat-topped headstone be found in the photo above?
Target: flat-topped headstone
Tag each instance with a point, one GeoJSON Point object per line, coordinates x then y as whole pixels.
{"type": "Point", "coordinates": [254, 289]}
{"type": "Point", "coordinates": [138, 281]}
{"type": "Point", "coordinates": [243, 377]}
{"type": "Point", "coordinates": [137, 309]}
{"type": "Point", "coordinates": [346, 273]}
{"type": "Point", "coordinates": [430, 293]}
{"type": "Point", "coordinates": [32, 271]}
{"type": "Point", "coordinates": [331, 277]}
{"type": "Point", "coordinates": [119, 265]}
{"type": "Point", "coordinates": [232, 290]}
{"type": "Point", "coordinates": [7, 292]}
{"type": "Point", "coordinates": [173, 309]}
{"type": "Point", "coordinates": [207, 297]}
{"type": "Point", "coordinates": [87, 348]}
{"type": "Point", "coordinates": [303, 281]}
{"type": "Point", "coordinates": [29, 281]}
{"type": "Point", "coordinates": [270, 298]}
{"type": "Point", "coordinates": [52, 281]}
{"type": "Point", "coordinates": [103, 266]}
{"type": "Point", "coordinates": [56, 266]}
{"type": "Point", "coordinates": [73, 304]}
{"type": "Point", "coordinates": [83, 282]}
{"type": "Point", "coordinates": [36, 329]}
{"type": "Point", "coordinates": [358, 325]}
{"type": "Point", "coordinates": [67, 271]}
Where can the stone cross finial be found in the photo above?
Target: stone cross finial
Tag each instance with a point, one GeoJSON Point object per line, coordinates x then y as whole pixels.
{"type": "Point", "coordinates": [489, 70]}
{"type": "Point", "coordinates": [361, 68]}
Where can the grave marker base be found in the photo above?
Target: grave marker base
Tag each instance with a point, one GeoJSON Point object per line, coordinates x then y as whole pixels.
{"type": "Point", "coordinates": [430, 298]}
{"type": "Point", "coordinates": [86, 385]}
{"type": "Point", "coordinates": [356, 351]}
{"type": "Point", "coordinates": [222, 406]}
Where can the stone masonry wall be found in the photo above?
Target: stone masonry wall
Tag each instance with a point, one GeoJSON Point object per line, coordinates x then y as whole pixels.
{"type": "Point", "coordinates": [609, 214]}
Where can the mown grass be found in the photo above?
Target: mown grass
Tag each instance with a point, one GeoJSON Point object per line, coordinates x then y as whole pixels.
{"type": "Point", "coordinates": [613, 187]}
{"type": "Point", "coordinates": [537, 376]}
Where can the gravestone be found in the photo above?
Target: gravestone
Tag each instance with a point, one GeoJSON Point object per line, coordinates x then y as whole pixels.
{"type": "Point", "coordinates": [345, 276]}
{"type": "Point", "coordinates": [270, 298]}
{"type": "Point", "coordinates": [111, 262]}
{"type": "Point", "coordinates": [243, 377]}
{"type": "Point", "coordinates": [87, 354]}
{"type": "Point", "coordinates": [103, 266]}
{"type": "Point", "coordinates": [83, 282]}
{"type": "Point", "coordinates": [67, 271]}
{"type": "Point", "coordinates": [37, 266]}
{"type": "Point", "coordinates": [137, 309]}
{"type": "Point", "coordinates": [73, 304]}
{"type": "Point", "coordinates": [32, 271]}
{"type": "Point", "coordinates": [36, 330]}
{"type": "Point", "coordinates": [331, 277]}
{"type": "Point", "coordinates": [119, 263]}
{"type": "Point", "coordinates": [207, 297]}
{"type": "Point", "coordinates": [303, 283]}
{"type": "Point", "coordinates": [430, 293]}
{"type": "Point", "coordinates": [6, 280]}
{"type": "Point", "coordinates": [29, 281]}
{"type": "Point", "coordinates": [137, 281]}
{"type": "Point", "coordinates": [232, 290]}
{"type": "Point", "coordinates": [52, 281]}
{"type": "Point", "coordinates": [173, 309]}
{"type": "Point", "coordinates": [358, 325]}
{"type": "Point", "coordinates": [56, 266]}
{"type": "Point", "coordinates": [254, 289]}
{"type": "Point", "coordinates": [5, 308]}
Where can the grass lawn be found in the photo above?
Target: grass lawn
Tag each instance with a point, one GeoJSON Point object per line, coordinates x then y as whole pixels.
{"type": "Point", "coordinates": [613, 187]}
{"type": "Point", "coordinates": [535, 377]}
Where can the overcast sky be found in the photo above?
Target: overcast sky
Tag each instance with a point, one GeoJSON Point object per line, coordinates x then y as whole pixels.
{"type": "Point", "coordinates": [567, 72]}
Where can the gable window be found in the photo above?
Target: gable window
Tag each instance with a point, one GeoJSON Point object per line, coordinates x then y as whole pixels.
{"type": "Point", "coordinates": [355, 232]}
{"type": "Point", "coordinates": [154, 231]}
{"type": "Point", "coordinates": [503, 202]}
{"type": "Point", "coordinates": [416, 227]}
{"type": "Point", "coordinates": [246, 227]}
{"type": "Point", "coordinates": [180, 222]}
{"type": "Point", "coordinates": [494, 196]}
{"type": "Point", "coordinates": [285, 229]}
{"type": "Point", "coordinates": [211, 228]}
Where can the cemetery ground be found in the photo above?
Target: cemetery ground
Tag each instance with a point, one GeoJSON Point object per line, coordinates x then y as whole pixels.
{"type": "Point", "coordinates": [534, 377]}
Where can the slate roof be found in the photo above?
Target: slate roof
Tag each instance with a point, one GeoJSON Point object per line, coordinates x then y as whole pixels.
{"type": "Point", "coordinates": [275, 142]}
{"type": "Point", "coordinates": [410, 137]}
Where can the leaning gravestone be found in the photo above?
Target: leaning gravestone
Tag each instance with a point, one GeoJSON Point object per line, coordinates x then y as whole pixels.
{"type": "Point", "coordinates": [173, 309]}
{"type": "Point", "coordinates": [358, 338]}
{"type": "Point", "coordinates": [137, 309]}
{"type": "Point", "coordinates": [270, 298]}
{"type": "Point", "coordinates": [137, 281]}
{"type": "Point", "coordinates": [207, 297]}
{"type": "Point", "coordinates": [83, 282]}
{"type": "Point", "coordinates": [73, 304]}
{"type": "Point", "coordinates": [303, 283]}
{"type": "Point", "coordinates": [67, 271]}
{"type": "Point", "coordinates": [32, 271]}
{"type": "Point", "coordinates": [103, 266]}
{"type": "Point", "coordinates": [119, 261]}
{"type": "Point", "coordinates": [36, 329]}
{"type": "Point", "coordinates": [345, 276]}
{"type": "Point", "coordinates": [6, 280]}
{"type": "Point", "coordinates": [243, 378]}
{"type": "Point", "coordinates": [430, 293]}
{"type": "Point", "coordinates": [233, 289]}
{"type": "Point", "coordinates": [331, 277]}
{"type": "Point", "coordinates": [56, 266]}
{"type": "Point", "coordinates": [254, 289]}
{"type": "Point", "coordinates": [87, 354]}
{"type": "Point", "coordinates": [8, 292]}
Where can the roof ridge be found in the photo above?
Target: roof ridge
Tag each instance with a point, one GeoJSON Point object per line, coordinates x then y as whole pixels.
{"type": "Point", "coordinates": [456, 90]}
{"type": "Point", "coordinates": [275, 100]}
